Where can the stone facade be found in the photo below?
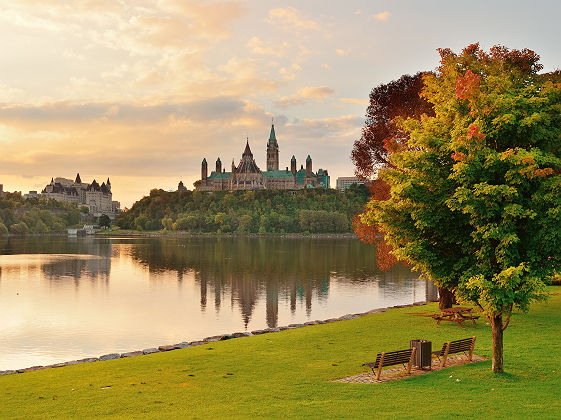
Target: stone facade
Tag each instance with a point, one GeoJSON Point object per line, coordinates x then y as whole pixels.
{"type": "Point", "coordinates": [247, 175]}
{"type": "Point", "coordinates": [98, 198]}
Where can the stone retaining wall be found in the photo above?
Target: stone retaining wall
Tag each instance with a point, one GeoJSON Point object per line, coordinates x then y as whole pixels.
{"type": "Point", "coordinates": [211, 339]}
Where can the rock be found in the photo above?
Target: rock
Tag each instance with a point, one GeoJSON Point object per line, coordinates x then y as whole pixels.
{"type": "Point", "coordinates": [242, 334]}
{"type": "Point", "coordinates": [150, 350]}
{"type": "Point", "coordinates": [166, 348]}
{"type": "Point", "coordinates": [320, 321]}
{"type": "Point", "coordinates": [31, 369]}
{"type": "Point", "coordinates": [7, 372]}
{"type": "Point", "coordinates": [421, 303]}
{"type": "Point", "coordinates": [257, 332]}
{"type": "Point", "coordinates": [311, 323]}
{"type": "Point", "coordinates": [182, 345]}
{"type": "Point", "coordinates": [377, 311]}
{"type": "Point", "coordinates": [79, 361]}
{"type": "Point", "coordinates": [296, 325]}
{"type": "Point", "coordinates": [56, 365]}
{"type": "Point", "coordinates": [227, 337]}
{"type": "Point", "coordinates": [110, 356]}
{"type": "Point", "coordinates": [132, 354]}
{"type": "Point", "coordinates": [348, 317]}
{"type": "Point", "coordinates": [213, 338]}
{"type": "Point", "coordinates": [281, 328]}
{"type": "Point", "coordinates": [197, 343]}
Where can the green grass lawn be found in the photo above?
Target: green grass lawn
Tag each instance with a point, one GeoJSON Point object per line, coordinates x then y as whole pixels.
{"type": "Point", "coordinates": [287, 375]}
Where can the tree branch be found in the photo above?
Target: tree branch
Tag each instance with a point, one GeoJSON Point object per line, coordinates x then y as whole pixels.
{"type": "Point", "coordinates": [505, 324]}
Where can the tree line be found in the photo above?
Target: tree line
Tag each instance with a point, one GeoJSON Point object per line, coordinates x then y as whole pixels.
{"type": "Point", "coordinates": [252, 211]}
{"type": "Point", "coordinates": [20, 216]}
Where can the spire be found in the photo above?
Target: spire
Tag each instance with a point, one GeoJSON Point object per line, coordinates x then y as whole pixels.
{"type": "Point", "coordinates": [247, 151]}
{"type": "Point", "coordinates": [79, 180]}
{"type": "Point", "coordinates": [108, 182]}
{"type": "Point", "coordinates": [293, 159]}
{"type": "Point", "coordinates": [272, 136]}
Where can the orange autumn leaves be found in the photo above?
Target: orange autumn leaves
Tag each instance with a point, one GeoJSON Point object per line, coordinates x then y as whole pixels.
{"type": "Point", "coordinates": [370, 234]}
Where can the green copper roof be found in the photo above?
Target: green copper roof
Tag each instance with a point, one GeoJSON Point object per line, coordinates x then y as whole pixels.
{"type": "Point", "coordinates": [204, 160]}
{"type": "Point", "coordinates": [221, 175]}
{"type": "Point", "coordinates": [308, 158]}
{"type": "Point", "coordinates": [278, 174]}
{"type": "Point", "coordinates": [217, 160]}
{"type": "Point", "coordinates": [293, 158]}
{"type": "Point", "coordinates": [272, 136]}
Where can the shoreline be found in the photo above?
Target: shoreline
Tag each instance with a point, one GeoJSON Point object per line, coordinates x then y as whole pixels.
{"type": "Point", "coordinates": [182, 234]}
{"type": "Point", "coordinates": [206, 340]}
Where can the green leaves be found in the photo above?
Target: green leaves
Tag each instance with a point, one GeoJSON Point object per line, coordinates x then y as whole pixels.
{"type": "Point", "coordinates": [475, 198]}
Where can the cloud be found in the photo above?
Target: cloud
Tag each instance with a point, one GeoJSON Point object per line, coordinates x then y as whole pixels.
{"type": "Point", "coordinates": [290, 19]}
{"type": "Point", "coordinates": [382, 16]}
{"type": "Point", "coordinates": [77, 113]}
{"type": "Point", "coordinates": [305, 95]}
{"type": "Point", "coordinates": [315, 92]}
{"type": "Point", "coordinates": [354, 101]}
{"type": "Point", "coordinates": [342, 52]}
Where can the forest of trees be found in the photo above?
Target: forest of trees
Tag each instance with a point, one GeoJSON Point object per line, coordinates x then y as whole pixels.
{"type": "Point", "coordinates": [252, 211]}
{"type": "Point", "coordinates": [20, 216]}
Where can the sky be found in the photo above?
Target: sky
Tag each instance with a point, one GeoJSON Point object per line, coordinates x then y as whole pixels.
{"type": "Point", "coordinates": [142, 91]}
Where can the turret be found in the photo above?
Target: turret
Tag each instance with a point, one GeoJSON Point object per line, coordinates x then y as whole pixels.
{"type": "Point", "coordinates": [108, 184]}
{"type": "Point", "coordinates": [309, 166]}
{"type": "Point", "coordinates": [79, 180]}
{"type": "Point", "coordinates": [204, 170]}
{"type": "Point", "coordinates": [218, 166]}
{"type": "Point", "coordinates": [233, 166]}
{"type": "Point", "coordinates": [293, 165]}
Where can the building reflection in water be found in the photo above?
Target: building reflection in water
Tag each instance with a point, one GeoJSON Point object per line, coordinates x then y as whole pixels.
{"type": "Point", "coordinates": [290, 271]}
{"type": "Point", "coordinates": [57, 259]}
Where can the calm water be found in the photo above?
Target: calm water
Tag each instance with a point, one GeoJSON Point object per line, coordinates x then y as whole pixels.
{"type": "Point", "coordinates": [67, 298]}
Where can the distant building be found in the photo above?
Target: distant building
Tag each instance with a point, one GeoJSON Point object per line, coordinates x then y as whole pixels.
{"type": "Point", "coordinates": [344, 182]}
{"type": "Point", "coordinates": [247, 175]}
{"type": "Point", "coordinates": [181, 187]}
{"type": "Point", "coordinates": [32, 194]}
{"type": "Point", "coordinates": [98, 198]}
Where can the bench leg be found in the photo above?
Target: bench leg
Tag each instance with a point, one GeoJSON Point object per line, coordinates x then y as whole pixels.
{"type": "Point", "coordinates": [380, 364]}
{"type": "Point", "coordinates": [471, 348]}
{"type": "Point", "coordinates": [411, 360]}
{"type": "Point", "coordinates": [443, 363]}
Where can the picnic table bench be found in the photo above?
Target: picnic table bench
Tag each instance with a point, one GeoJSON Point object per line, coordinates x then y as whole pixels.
{"type": "Point", "coordinates": [392, 358]}
{"type": "Point", "coordinates": [458, 346]}
{"type": "Point", "coordinates": [458, 314]}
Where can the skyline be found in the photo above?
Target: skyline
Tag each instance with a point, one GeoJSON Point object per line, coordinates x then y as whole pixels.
{"type": "Point", "coordinates": [142, 91]}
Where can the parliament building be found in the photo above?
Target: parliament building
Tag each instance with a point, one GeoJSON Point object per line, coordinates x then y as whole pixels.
{"type": "Point", "coordinates": [248, 176]}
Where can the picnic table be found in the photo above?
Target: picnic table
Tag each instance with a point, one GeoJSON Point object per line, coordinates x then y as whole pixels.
{"type": "Point", "coordinates": [457, 314]}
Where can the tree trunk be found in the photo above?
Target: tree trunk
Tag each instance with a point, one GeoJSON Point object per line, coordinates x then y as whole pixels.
{"type": "Point", "coordinates": [446, 298]}
{"type": "Point", "coordinates": [497, 331]}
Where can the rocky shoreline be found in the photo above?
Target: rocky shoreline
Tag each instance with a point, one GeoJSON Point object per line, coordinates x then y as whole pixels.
{"type": "Point", "coordinates": [206, 340]}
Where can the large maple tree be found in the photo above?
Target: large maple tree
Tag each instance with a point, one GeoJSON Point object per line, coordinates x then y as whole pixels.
{"type": "Point", "coordinates": [475, 197]}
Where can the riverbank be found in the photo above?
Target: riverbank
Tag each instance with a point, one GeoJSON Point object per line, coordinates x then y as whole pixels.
{"type": "Point", "coordinates": [185, 234]}
{"type": "Point", "coordinates": [287, 374]}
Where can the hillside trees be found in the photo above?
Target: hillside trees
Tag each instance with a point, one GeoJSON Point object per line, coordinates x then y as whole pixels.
{"type": "Point", "coordinates": [259, 211]}
{"type": "Point", "coordinates": [475, 199]}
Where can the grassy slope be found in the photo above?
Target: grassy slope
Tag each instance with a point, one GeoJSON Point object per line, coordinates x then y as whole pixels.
{"type": "Point", "coordinates": [286, 374]}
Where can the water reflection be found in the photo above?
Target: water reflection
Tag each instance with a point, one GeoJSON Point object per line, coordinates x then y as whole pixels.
{"type": "Point", "coordinates": [63, 298]}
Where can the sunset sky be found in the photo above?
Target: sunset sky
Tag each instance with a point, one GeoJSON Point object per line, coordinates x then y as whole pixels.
{"type": "Point", "coordinates": [141, 91]}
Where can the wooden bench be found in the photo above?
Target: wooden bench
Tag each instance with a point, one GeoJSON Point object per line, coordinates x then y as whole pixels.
{"type": "Point", "coordinates": [458, 346]}
{"type": "Point", "coordinates": [392, 358]}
